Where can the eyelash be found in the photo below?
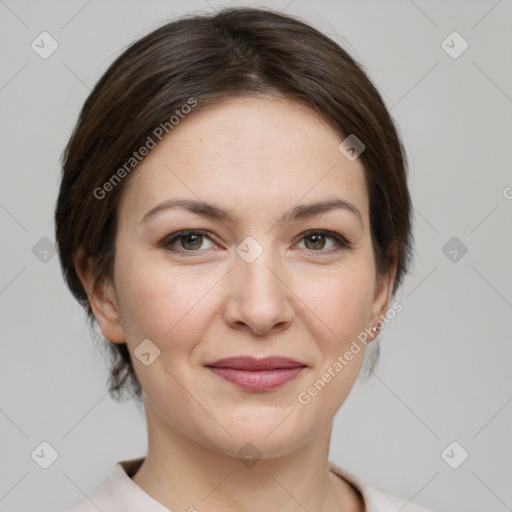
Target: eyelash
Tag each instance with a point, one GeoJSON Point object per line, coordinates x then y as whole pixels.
{"type": "Point", "coordinates": [340, 241]}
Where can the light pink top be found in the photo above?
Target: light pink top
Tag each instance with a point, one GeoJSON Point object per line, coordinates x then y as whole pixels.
{"type": "Point", "coordinates": [119, 493]}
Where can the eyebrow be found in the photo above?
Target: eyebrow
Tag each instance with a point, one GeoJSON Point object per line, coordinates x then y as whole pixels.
{"type": "Point", "coordinates": [213, 211]}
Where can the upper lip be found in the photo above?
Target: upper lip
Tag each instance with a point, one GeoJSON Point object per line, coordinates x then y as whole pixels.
{"type": "Point", "coordinates": [251, 363]}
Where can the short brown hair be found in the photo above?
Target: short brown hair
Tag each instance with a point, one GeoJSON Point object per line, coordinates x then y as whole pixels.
{"type": "Point", "coordinates": [208, 58]}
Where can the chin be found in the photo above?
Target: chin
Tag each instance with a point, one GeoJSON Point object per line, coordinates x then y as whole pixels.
{"type": "Point", "coordinates": [250, 447]}
{"type": "Point", "coordinates": [262, 437]}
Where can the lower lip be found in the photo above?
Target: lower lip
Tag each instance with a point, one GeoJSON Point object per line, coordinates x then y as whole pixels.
{"type": "Point", "coordinates": [258, 380]}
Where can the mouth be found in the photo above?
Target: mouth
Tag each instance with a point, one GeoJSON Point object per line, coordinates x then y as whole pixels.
{"type": "Point", "coordinates": [257, 374]}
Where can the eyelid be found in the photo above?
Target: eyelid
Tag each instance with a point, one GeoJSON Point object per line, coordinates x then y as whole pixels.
{"type": "Point", "coordinates": [340, 241]}
{"type": "Point", "coordinates": [174, 237]}
{"type": "Point", "coordinates": [337, 237]}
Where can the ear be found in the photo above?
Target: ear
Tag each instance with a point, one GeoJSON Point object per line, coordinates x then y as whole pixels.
{"type": "Point", "coordinates": [382, 296]}
{"type": "Point", "coordinates": [102, 298]}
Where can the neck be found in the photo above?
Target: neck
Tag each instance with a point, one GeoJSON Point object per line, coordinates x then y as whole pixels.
{"type": "Point", "coordinates": [182, 474]}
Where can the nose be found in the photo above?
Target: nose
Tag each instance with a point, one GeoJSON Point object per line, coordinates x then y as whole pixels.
{"type": "Point", "coordinates": [259, 299]}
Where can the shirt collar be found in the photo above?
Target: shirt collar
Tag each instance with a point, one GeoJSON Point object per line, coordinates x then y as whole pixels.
{"type": "Point", "coordinates": [120, 490]}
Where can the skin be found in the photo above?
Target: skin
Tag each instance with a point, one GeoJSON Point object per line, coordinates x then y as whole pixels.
{"type": "Point", "coordinates": [302, 298]}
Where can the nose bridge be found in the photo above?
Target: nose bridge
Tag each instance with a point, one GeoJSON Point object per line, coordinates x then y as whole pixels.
{"type": "Point", "coordinates": [260, 298]}
{"type": "Point", "coordinates": [258, 260]}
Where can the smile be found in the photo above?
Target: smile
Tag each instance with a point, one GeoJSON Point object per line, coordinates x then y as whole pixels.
{"type": "Point", "coordinates": [254, 374]}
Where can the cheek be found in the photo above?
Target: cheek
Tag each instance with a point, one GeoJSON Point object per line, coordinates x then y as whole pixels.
{"type": "Point", "coordinates": [342, 310]}
{"type": "Point", "coordinates": [340, 300]}
{"type": "Point", "coordinates": [162, 303]}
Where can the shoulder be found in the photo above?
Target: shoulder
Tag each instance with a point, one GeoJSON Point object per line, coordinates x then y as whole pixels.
{"type": "Point", "coordinates": [374, 498]}
{"type": "Point", "coordinates": [119, 492]}
{"type": "Point", "coordinates": [98, 500]}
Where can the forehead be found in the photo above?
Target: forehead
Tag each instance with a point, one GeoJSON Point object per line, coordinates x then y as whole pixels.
{"type": "Point", "coordinates": [248, 153]}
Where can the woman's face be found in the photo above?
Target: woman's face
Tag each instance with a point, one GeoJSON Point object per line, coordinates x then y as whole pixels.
{"type": "Point", "coordinates": [255, 284]}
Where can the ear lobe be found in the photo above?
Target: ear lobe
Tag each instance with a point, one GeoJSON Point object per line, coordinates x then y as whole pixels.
{"type": "Point", "coordinates": [382, 296]}
{"type": "Point", "coordinates": [101, 296]}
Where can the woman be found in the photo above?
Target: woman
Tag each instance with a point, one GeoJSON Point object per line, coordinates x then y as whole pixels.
{"type": "Point", "coordinates": [234, 214]}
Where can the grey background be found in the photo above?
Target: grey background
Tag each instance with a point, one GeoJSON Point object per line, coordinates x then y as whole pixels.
{"type": "Point", "coordinates": [445, 368]}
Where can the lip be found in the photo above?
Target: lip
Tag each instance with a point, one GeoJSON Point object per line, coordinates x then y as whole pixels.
{"type": "Point", "coordinates": [252, 363]}
{"type": "Point", "coordinates": [257, 374]}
